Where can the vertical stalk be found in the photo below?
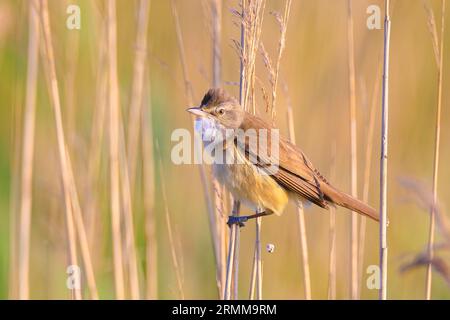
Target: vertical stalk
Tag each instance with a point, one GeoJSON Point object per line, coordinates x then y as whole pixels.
{"type": "Point", "coordinates": [96, 141]}
{"type": "Point", "coordinates": [384, 156]}
{"type": "Point", "coordinates": [332, 232]}
{"type": "Point", "coordinates": [258, 255]}
{"type": "Point", "coordinates": [114, 151]}
{"type": "Point", "coordinates": [437, 142]}
{"type": "Point", "coordinates": [82, 236]}
{"type": "Point", "coordinates": [216, 13]}
{"type": "Point", "coordinates": [176, 263]}
{"type": "Point", "coordinates": [231, 255]}
{"type": "Point", "coordinates": [130, 245]}
{"type": "Point", "coordinates": [234, 235]}
{"type": "Point", "coordinates": [75, 225]}
{"type": "Point", "coordinates": [190, 99]}
{"type": "Point", "coordinates": [353, 156]}
{"type": "Point", "coordinates": [63, 156]}
{"type": "Point", "coordinates": [137, 89]}
{"type": "Point", "coordinates": [251, 293]}
{"type": "Point", "coordinates": [300, 218]}
{"type": "Point", "coordinates": [149, 198]}
{"type": "Point", "coordinates": [367, 167]}
{"type": "Point", "coordinates": [28, 151]}
{"type": "Point", "coordinates": [237, 241]}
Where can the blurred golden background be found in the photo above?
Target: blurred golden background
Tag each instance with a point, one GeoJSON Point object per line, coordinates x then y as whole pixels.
{"type": "Point", "coordinates": [314, 79]}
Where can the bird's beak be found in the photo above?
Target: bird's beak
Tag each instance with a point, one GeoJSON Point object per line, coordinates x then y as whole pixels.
{"type": "Point", "coordinates": [197, 111]}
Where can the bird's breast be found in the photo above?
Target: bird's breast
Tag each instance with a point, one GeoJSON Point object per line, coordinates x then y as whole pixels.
{"type": "Point", "coordinates": [250, 185]}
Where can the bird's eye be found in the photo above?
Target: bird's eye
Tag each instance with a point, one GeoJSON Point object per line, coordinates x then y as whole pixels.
{"type": "Point", "coordinates": [221, 111]}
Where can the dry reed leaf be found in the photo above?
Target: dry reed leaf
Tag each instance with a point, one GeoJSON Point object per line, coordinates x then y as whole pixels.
{"type": "Point", "coordinates": [431, 24]}
{"type": "Point", "coordinates": [268, 64]}
{"type": "Point", "coordinates": [438, 264]}
{"type": "Point", "coordinates": [422, 196]}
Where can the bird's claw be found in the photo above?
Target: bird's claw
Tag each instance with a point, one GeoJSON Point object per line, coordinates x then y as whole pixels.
{"type": "Point", "coordinates": [238, 220]}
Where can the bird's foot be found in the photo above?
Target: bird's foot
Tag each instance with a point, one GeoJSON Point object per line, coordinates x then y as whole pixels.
{"type": "Point", "coordinates": [237, 220]}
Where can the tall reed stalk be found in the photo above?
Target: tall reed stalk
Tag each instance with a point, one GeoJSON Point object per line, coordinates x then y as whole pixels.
{"type": "Point", "coordinates": [174, 255]}
{"type": "Point", "coordinates": [300, 219]}
{"type": "Point", "coordinates": [203, 174]}
{"type": "Point", "coordinates": [128, 167]}
{"type": "Point", "coordinates": [384, 155]}
{"type": "Point", "coordinates": [149, 197]}
{"type": "Point", "coordinates": [333, 237]}
{"type": "Point", "coordinates": [367, 171]}
{"type": "Point", "coordinates": [56, 104]}
{"type": "Point", "coordinates": [72, 207]}
{"type": "Point", "coordinates": [97, 133]}
{"type": "Point", "coordinates": [82, 235]}
{"type": "Point", "coordinates": [250, 17]}
{"type": "Point", "coordinates": [74, 216]}
{"type": "Point", "coordinates": [135, 111]}
{"type": "Point", "coordinates": [353, 156]}
{"type": "Point", "coordinates": [219, 192]}
{"type": "Point", "coordinates": [437, 143]}
{"type": "Point", "coordinates": [130, 254]}
{"type": "Point", "coordinates": [28, 151]}
{"type": "Point", "coordinates": [231, 255]}
{"type": "Point", "coordinates": [113, 96]}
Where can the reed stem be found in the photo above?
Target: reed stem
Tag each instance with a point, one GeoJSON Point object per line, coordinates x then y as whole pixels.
{"type": "Point", "coordinates": [300, 219]}
{"type": "Point", "coordinates": [437, 143]}
{"type": "Point", "coordinates": [28, 152]}
{"type": "Point", "coordinates": [384, 156]}
{"type": "Point", "coordinates": [62, 146]}
{"type": "Point", "coordinates": [353, 156]}
{"type": "Point", "coordinates": [114, 152]}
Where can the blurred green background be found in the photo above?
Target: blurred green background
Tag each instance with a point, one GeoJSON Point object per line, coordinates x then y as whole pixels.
{"type": "Point", "coordinates": [314, 71]}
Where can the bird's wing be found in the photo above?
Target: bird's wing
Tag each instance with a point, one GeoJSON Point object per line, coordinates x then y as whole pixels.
{"type": "Point", "coordinates": [294, 171]}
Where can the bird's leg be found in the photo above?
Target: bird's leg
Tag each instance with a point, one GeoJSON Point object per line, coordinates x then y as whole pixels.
{"type": "Point", "coordinates": [239, 220]}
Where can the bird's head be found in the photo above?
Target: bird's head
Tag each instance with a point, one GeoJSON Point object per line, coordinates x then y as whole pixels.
{"type": "Point", "coordinates": [221, 107]}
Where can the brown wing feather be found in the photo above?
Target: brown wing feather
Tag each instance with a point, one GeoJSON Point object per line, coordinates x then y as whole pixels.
{"type": "Point", "coordinates": [295, 171]}
{"type": "Point", "coordinates": [297, 174]}
{"type": "Point", "coordinates": [303, 188]}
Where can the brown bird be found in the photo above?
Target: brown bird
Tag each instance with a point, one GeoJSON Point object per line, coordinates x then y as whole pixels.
{"type": "Point", "coordinates": [250, 176]}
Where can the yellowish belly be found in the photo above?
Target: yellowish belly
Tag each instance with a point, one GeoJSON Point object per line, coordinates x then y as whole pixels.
{"type": "Point", "coordinates": [247, 184]}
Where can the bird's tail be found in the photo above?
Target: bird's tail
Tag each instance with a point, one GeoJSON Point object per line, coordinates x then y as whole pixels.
{"type": "Point", "coordinates": [344, 200]}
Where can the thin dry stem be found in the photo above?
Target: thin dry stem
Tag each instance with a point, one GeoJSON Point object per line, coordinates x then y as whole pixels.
{"type": "Point", "coordinates": [231, 255]}
{"type": "Point", "coordinates": [173, 252]}
{"type": "Point", "coordinates": [216, 18]}
{"type": "Point", "coordinates": [258, 256]}
{"type": "Point", "coordinates": [437, 140]}
{"type": "Point", "coordinates": [251, 293]}
{"type": "Point", "coordinates": [63, 157]}
{"type": "Point", "coordinates": [333, 244]}
{"type": "Point", "coordinates": [96, 140]}
{"type": "Point", "coordinates": [130, 245]}
{"type": "Point", "coordinates": [216, 13]}
{"type": "Point", "coordinates": [69, 83]}
{"type": "Point", "coordinates": [202, 169]}
{"type": "Point", "coordinates": [28, 152]}
{"type": "Point", "coordinates": [251, 18]}
{"type": "Point", "coordinates": [353, 156]}
{"type": "Point", "coordinates": [82, 236]}
{"type": "Point", "coordinates": [384, 156]}
{"type": "Point", "coordinates": [282, 21]}
{"type": "Point", "coordinates": [149, 199]}
{"type": "Point", "coordinates": [431, 24]}
{"type": "Point", "coordinates": [300, 219]}
{"type": "Point", "coordinates": [114, 151]}
{"type": "Point", "coordinates": [140, 54]}
{"type": "Point", "coordinates": [367, 166]}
